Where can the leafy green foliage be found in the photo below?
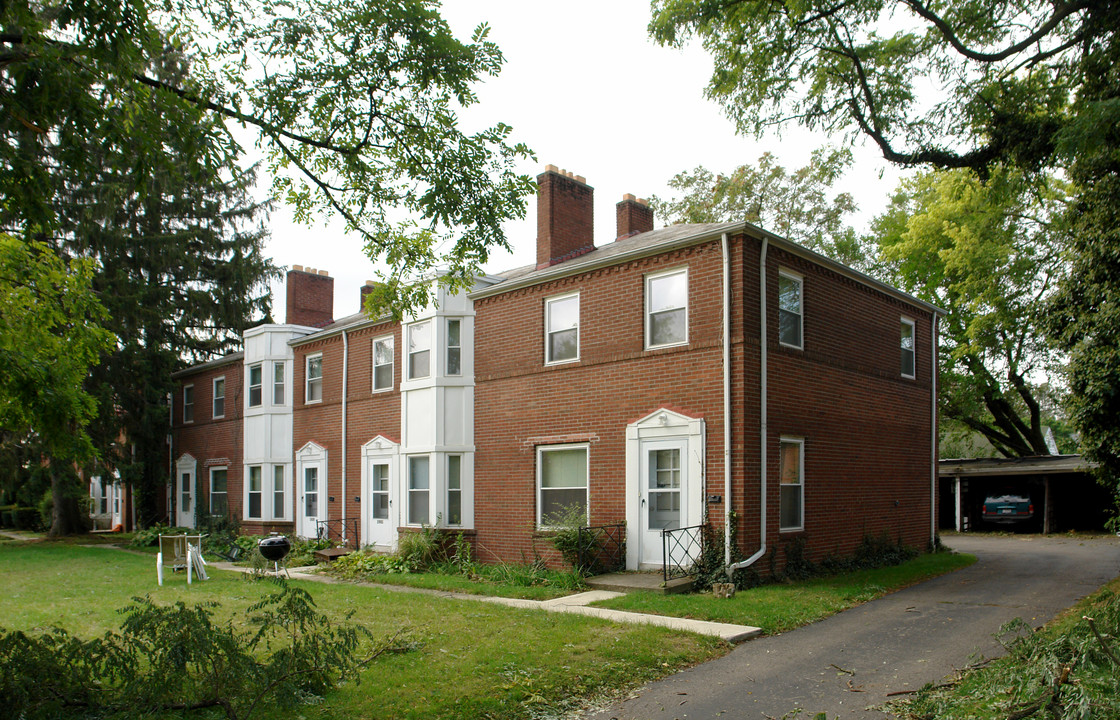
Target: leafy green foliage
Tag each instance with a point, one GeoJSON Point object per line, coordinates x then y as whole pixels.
{"type": "Point", "coordinates": [799, 205]}
{"type": "Point", "coordinates": [990, 254]}
{"type": "Point", "coordinates": [176, 658]}
{"type": "Point", "coordinates": [1070, 670]}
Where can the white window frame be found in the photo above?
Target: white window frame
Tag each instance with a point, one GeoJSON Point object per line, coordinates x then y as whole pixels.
{"type": "Point", "coordinates": [259, 386]}
{"type": "Point", "coordinates": [409, 490]}
{"type": "Point", "coordinates": [458, 349]}
{"type": "Point", "coordinates": [210, 488]}
{"type": "Point", "coordinates": [455, 491]}
{"type": "Point", "coordinates": [427, 326]}
{"type": "Point", "coordinates": [548, 329]}
{"type": "Point", "coordinates": [215, 397]}
{"type": "Point", "coordinates": [391, 364]}
{"type": "Point", "coordinates": [308, 380]}
{"type": "Point", "coordinates": [913, 350]}
{"type": "Point", "coordinates": [649, 314]}
{"type": "Point", "coordinates": [541, 450]}
{"type": "Point", "coordinates": [249, 492]}
{"type": "Point", "coordinates": [279, 384]}
{"type": "Point", "coordinates": [279, 490]}
{"type": "Point", "coordinates": [188, 407]}
{"type": "Point", "coordinates": [800, 280]}
{"type": "Point", "coordinates": [800, 442]}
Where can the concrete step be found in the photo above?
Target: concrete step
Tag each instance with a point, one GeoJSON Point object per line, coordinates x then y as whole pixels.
{"type": "Point", "coordinates": [632, 581]}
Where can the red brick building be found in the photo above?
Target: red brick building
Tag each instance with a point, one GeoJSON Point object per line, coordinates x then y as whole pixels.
{"type": "Point", "coordinates": [655, 380]}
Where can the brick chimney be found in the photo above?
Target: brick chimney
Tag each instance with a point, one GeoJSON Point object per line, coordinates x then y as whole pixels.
{"type": "Point", "coordinates": [365, 290]}
{"type": "Point", "coordinates": [634, 216]}
{"type": "Point", "coordinates": [565, 216]}
{"type": "Point", "coordinates": [310, 297]}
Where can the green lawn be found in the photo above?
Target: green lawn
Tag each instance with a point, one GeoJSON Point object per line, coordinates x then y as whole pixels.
{"type": "Point", "coordinates": [472, 660]}
{"type": "Point", "coordinates": [782, 607]}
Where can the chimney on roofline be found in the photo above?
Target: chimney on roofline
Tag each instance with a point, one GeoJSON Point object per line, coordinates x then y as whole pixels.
{"type": "Point", "coordinates": [365, 290]}
{"type": "Point", "coordinates": [310, 297]}
{"type": "Point", "coordinates": [565, 216]}
{"type": "Point", "coordinates": [633, 216]}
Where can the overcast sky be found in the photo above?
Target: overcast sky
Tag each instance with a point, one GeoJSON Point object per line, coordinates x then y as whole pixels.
{"type": "Point", "coordinates": [588, 91]}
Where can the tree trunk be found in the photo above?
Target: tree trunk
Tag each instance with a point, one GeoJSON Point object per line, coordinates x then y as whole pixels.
{"type": "Point", "coordinates": [66, 515]}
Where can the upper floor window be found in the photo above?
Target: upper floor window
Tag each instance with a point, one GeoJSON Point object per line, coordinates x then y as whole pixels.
{"type": "Point", "coordinates": [278, 383]}
{"type": "Point", "coordinates": [561, 483]}
{"type": "Point", "coordinates": [667, 309]}
{"type": "Point", "coordinates": [792, 484]}
{"type": "Point", "coordinates": [789, 309]}
{"type": "Point", "coordinates": [383, 363]}
{"type": "Point", "coordinates": [256, 380]}
{"type": "Point", "coordinates": [907, 342]}
{"type": "Point", "coordinates": [219, 397]}
{"type": "Point", "coordinates": [561, 328]}
{"type": "Point", "coordinates": [454, 348]}
{"type": "Point", "coordinates": [419, 350]}
{"type": "Point", "coordinates": [314, 378]}
{"type": "Point", "coordinates": [188, 403]}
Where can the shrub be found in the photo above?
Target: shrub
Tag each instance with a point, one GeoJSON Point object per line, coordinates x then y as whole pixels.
{"type": "Point", "coordinates": [421, 550]}
{"type": "Point", "coordinates": [26, 518]}
{"type": "Point", "coordinates": [176, 659]}
{"type": "Point", "coordinates": [577, 548]}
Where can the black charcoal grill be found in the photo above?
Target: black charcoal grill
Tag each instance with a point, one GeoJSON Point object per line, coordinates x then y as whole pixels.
{"type": "Point", "coordinates": [274, 549]}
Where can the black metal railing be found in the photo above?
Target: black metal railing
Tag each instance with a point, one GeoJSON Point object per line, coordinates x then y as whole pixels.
{"type": "Point", "coordinates": [335, 530]}
{"type": "Point", "coordinates": [602, 549]}
{"type": "Point", "coordinates": [683, 548]}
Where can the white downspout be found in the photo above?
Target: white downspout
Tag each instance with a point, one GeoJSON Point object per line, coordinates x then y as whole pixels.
{"type": "Point", "coordinates": [762, 414]}
{"type": "Point", "coordinates": [345, 377]}
{"type": "Point", "coordinates": [726, 401]}
{"type": "Point", "coordinates": [933, 434]}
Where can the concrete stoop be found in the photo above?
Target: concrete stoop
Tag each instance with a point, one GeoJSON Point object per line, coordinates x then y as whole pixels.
{"type": "Point", "coordinates": [630, 581]}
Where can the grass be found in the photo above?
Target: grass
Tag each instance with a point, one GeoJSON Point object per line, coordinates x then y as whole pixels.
{"type": "Point", "coordinates": [782, 607]}
{"type": "Point", "coordinates": [1062, 671]}
{"type": "Point", "coordinates": [472, 660]}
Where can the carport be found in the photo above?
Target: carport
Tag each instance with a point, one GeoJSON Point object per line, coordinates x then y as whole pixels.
{"type": "Point", "coordinates": [1070, 498]}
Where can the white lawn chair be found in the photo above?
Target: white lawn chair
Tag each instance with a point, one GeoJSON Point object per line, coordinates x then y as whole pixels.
{"type": "Point", "coordinates": [181, 552]}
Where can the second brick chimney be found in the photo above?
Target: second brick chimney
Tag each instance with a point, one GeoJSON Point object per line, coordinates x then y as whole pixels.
{"type": "Point", "coordinates": [565, 216]}
{"type": "Point", "coordinates": [310, 297]}
{"type": "Point", "coordinates": [634, 216]}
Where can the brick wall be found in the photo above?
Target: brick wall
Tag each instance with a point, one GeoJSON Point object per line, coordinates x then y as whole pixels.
{"type": "Point", "coordinates": [212, 442]}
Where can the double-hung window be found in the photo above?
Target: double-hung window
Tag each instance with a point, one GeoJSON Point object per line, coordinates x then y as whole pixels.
{"type": "Point", "coordinates": [419, 350]}
{"type": "Point", "coordinates": [454, 348]}
{"type": "Point", "coordinates": [188, 403]}
{"type": "Point", "coordinates": [792, 484]}
{"type": "Point", "coordinates": [278, 383]}
{"type": "Point", "coordinates": [255, 492]}
{"type": "Point", "coordinates": [279, 510]}
{"type": "Point", "coordinates": [667, 309]}
{"type": "Point", "coordinates": [561, 483]}
{"type": "Point", "coordinates": [219, 499]}
{"type": "Point", "coordinates": [454, 490]}
{"type": "Point", "coordinates": [790, 289]}
{"type": "Point", "coordinates": [561, 328]}
{"type": "Point", "coordinates": [907, 343]}
{"type": "Point", "coordinates": [256, 380]}
{"type": "Point", "coordinates": [314, 378]}
{"type": "Point", "coordinates": [219, 397]}
{"type": "Point", "coordinates": [419, 493]}
{"type": "Point", "coordinates": [383, 363]}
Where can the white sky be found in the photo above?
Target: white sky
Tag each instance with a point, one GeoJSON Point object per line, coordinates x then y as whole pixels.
{"type": "Point", "coordinates": [588, 91]}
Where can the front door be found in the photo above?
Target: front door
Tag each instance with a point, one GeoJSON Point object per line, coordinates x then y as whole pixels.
{"type": "Point", "coordinates": [382, 528]}
{"type": "Point", "coordinates": [663, 488]}
{"type": "Point", "coordinates": [310, 502]}
{"type": "Point", "coordinates": [186, 499]}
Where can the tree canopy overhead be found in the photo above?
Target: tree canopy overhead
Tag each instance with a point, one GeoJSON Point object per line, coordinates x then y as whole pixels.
{"type": "Point", "coordinates": [962, 83]}
{"type": "Point", "coordinates": [353, 103]}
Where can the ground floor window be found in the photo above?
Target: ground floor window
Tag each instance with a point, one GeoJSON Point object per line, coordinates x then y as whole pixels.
{"type": "Point", "coordinates": [792, 484]}
{"type": "Point", "coordinates": [419, 485]}
{"type": "Point", "coordinates": [454, 490]}
{"type": "Point", "coordinates": [279, 508]}
{"type": "Point", "coordinates": [219, 499]}
{"type": "Point", "coordinates": [255, 492]}
{"type": "Point", "coordinates": [561, 484]}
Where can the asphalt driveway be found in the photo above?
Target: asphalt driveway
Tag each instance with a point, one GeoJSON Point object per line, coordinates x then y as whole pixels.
{"type": "Point", "coordinates": [846, 665]}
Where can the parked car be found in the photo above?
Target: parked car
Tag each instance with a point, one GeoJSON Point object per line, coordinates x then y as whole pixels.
{"type": "Point", "coordinates": [1008, 507]}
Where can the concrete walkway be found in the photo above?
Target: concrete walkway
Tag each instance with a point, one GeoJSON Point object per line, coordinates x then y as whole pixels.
{"type": "Point", "coordinates": [578, 604]}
